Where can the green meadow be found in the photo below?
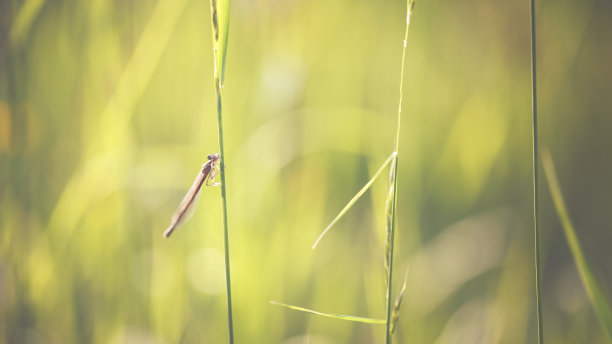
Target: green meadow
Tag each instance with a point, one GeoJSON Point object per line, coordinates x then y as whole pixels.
{"type": "Point", "coordinates": [338, 226]}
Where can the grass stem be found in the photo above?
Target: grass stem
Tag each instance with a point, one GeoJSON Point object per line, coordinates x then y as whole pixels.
{"type": "Point", "coordinates": [220, 11]}
{"type": "Point", "coordinates": [390, 255]}
{"type": "Point", "coordinates": [393, 181]}
{"type": "Point", "coordinates": [228, 286]}
{"type": "Point", "coordinates": [536, 220]}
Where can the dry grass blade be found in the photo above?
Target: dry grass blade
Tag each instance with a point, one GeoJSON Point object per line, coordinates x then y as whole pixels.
{"type": "Point", "coordinates": [328, 315]}
{"type": "Point", "coordinates": [593, 290]}
{"type": "Point", "coordinates": [354, 199]}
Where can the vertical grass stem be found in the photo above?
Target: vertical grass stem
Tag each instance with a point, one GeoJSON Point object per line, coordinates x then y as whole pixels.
{"type": "Point", "coordinates": [391, 235]}
{"type": "Point", "coordinates": [536, 220]}
{"type": "Point", "coordinates": [393, 180]}
{"type": "Point", "coordinates": [228, 286]}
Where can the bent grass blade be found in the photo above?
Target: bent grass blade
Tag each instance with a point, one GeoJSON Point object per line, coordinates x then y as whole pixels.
{"type": "Point", "coordinates": [354, 199]}
{"type": "Point", "coordinates": [328, 315]}
{"type": "Point", "coordinates": [207, 174]}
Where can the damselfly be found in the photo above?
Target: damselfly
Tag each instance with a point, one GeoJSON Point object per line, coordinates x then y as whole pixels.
{"type": "Point", "coordinates": [207, 174]}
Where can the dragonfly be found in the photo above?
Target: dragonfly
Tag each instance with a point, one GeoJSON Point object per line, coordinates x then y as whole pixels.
{"type": "Point", "coordinates": [207, 175]}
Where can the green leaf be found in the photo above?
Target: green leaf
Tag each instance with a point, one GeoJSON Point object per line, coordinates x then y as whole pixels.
{"type": "Point", "coordinates": [593, 290]}
{"type": "Point", "coordinates": [335, 316]}
{"type": "Point", "coordinates": [354, 199]}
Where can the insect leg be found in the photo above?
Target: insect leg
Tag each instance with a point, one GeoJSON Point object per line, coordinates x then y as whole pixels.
{"type": "Point", "coordinates": [213, 174]}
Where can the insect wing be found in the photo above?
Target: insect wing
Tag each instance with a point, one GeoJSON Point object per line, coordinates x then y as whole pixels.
{"type": "Point", "coordinates": [185, 209]}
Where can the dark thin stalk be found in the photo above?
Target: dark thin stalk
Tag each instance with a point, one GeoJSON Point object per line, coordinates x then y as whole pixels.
{"type": "Point", "coordinates": [225, 226]}
{"type": "Point", "coordinates": [536, 220]}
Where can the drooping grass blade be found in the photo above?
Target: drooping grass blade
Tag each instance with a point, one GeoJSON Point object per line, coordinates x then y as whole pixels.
{"type": "Point", "coordinates": [354, 199]}
{"type": "Point", "coordinates": [329, 315]}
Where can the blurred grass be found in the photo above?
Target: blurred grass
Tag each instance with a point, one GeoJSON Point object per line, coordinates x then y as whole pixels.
{"type": "Point", "coordinates": [593, 289]}
{"type": "Point", "coordinates": [105, 112]}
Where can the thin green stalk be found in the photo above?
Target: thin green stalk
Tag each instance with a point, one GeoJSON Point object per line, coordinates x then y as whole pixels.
{"type": "Point", "coordinates": [220, 10]}
{"type": "Point", "coordinates": [390, 253]}
{"type": "Point", "coordinates": [410, 6]}
{"type": "Point", "coordinates": [391, 231]}
{"type": "Point", "coordinates": [228, 286]}
{"type": "Point", "coordinates": [536, 219]}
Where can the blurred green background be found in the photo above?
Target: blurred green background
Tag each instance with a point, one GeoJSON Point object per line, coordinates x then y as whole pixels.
{"type": "Point", "coordinates": [107, 112]}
